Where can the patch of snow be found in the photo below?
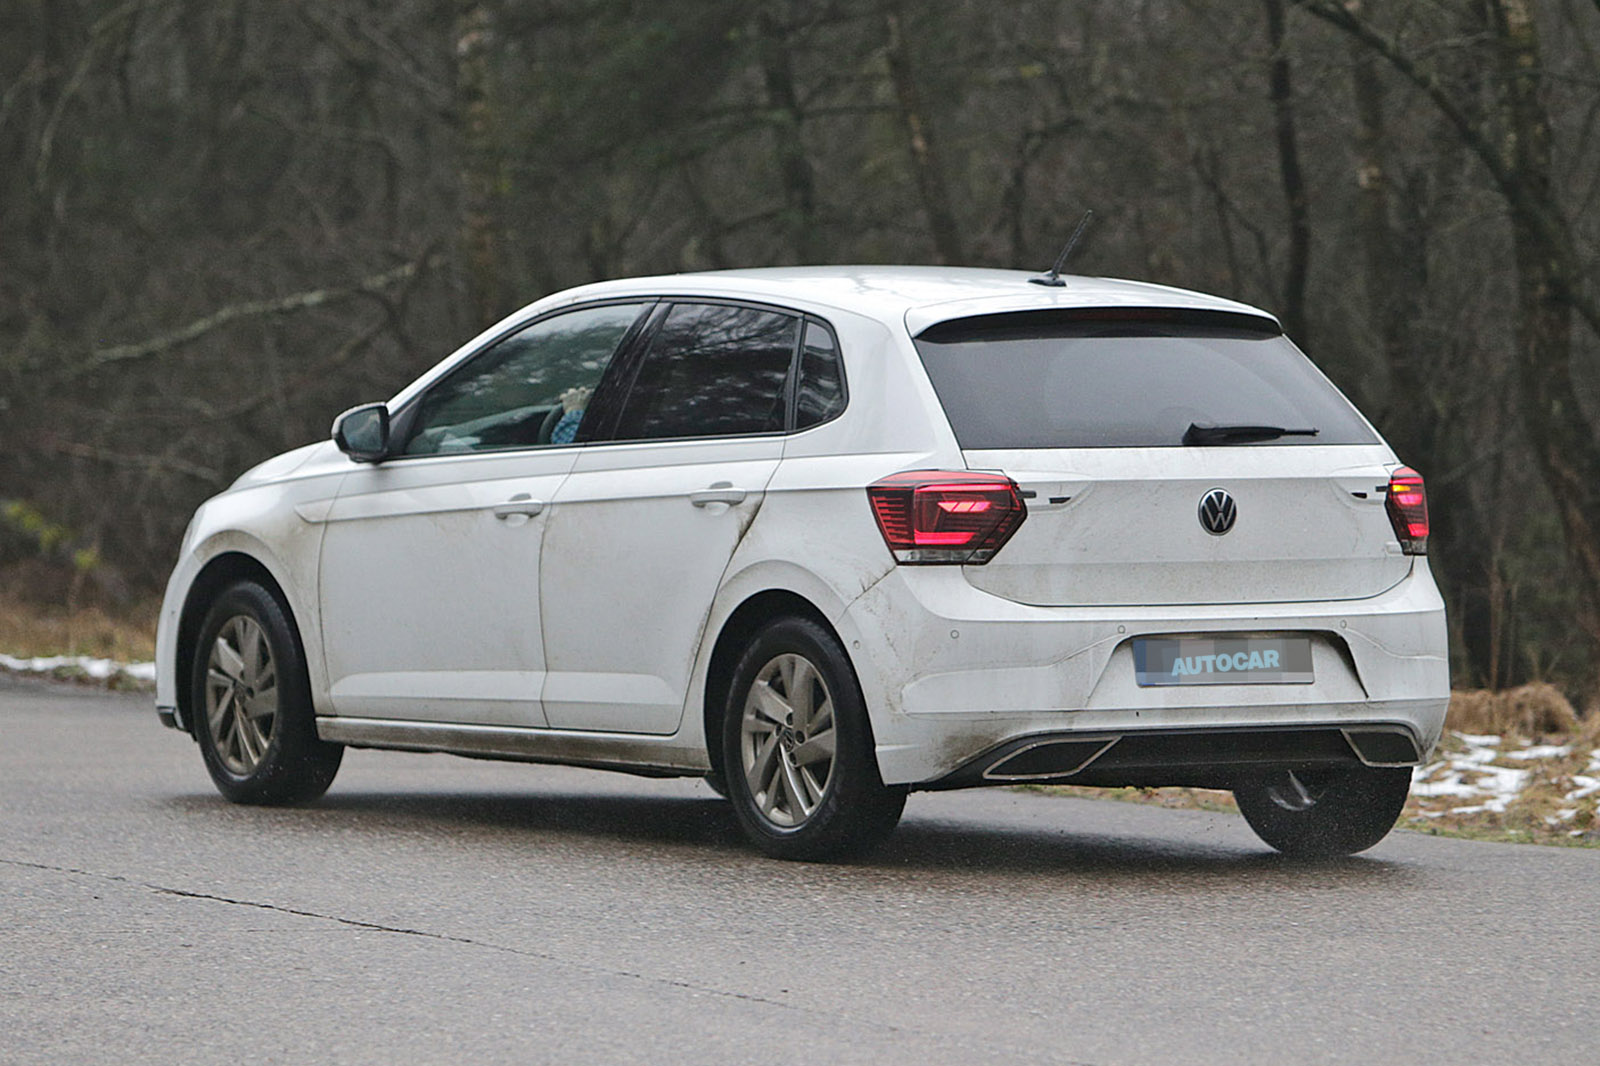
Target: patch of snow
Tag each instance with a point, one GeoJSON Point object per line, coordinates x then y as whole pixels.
{"type": "Point", "coordinates": [1451, 784]}
{"type": "Point", "coordinates": [1587, 786]}
{"type": "Point", "coordinates": [1542, 751]}
{"type": "Point", "coordinates": [99, 669]}
{"type": "Point", "coordinates": [1469, 775]}
{"type": "Point", "coordinates": [1474, 809]}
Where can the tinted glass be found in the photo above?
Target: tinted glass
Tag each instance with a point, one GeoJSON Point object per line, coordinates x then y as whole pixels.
{"type": "Point", "coordinates": [527, 391]}
{"type": "Point", "coordinates": [712, 371]}
{"type": "Point", "coordinates": [820, 395]}
{"type": "Point", "coordinates": [1109, 384]}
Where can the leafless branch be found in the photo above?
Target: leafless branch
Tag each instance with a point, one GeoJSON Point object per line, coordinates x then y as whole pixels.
{"type": "Point", "coordinates": [79, 450]}
{"type": "Point", "coordinates": [1538, 211]}
{"type": "Point", "coordinates": [98, 34]}
{"type": "Point", "coordinates": [299, 301]}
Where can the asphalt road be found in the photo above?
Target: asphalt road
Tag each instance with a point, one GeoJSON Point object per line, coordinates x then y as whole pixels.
{"type": "Point", "coordinates": [441, 910]}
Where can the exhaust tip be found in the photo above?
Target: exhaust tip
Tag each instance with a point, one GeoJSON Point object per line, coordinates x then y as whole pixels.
{"type": "Point", "coordinates": [1048, 759]}
{"type": "Point", "coordinates": [1384, 747]}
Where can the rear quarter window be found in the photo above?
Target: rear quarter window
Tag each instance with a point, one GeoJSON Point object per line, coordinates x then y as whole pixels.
{"type": "Point", "coordinates": [1047, 380]}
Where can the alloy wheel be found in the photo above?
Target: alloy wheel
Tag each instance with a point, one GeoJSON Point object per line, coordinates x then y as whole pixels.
{"type": "Point", "coordinates": [787, 740]}
{"type": "Point", "coordinates": [241, 694]}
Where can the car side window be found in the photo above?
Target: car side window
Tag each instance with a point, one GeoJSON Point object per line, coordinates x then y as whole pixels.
{"type": "Point", "coordinates": [529, 390]}
{"type": "Point", "coordinates": [819, 391]}
{"type": "Point", "coordinates": [712, 370]}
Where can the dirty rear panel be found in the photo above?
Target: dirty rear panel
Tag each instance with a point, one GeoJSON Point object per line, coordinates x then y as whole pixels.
{"type": "Point", "coordinates": [1117, 526]}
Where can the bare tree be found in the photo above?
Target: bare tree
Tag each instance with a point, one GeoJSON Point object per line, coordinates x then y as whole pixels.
{"type": "Point", "coordinates": [482, 171]}
{"type": "Point", "coordinates": [1513, 141]}
{"type": "Point", "coordinates": [1294, 184]}
{"type": "Point", "coordinates": [926, 163]}
{"type": "Point", "coordinates": [798, 177]}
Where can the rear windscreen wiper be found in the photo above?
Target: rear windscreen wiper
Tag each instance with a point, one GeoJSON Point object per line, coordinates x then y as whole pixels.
{"type": "Point", "coordinates": [1207, 433]}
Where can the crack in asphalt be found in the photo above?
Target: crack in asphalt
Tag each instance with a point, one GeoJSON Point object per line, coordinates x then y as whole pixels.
{"type": "Point", "coordinates": [379, 927]}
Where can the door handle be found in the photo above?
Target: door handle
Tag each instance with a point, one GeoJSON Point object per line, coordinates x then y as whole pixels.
{"type": "Point", "coordinates": [521, 503]}
{"type": "Point", "coordinates": [719, 492]}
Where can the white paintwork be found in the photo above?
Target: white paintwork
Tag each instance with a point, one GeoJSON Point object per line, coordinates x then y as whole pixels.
{"type": "Point", "coordinates": [257, 517]}
{"type": "Point", "coordinates": [429, 598]}
{"type": "Point", "coordinates": [1127, 533]}
{"type": "Point", "coordinates": [961, 670]}
{"type": "Point", "coordinates": [631, 564]}
{"type": "Point", "coordinates": [583, 632]}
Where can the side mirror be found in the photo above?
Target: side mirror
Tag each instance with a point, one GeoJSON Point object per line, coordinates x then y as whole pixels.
{"type": "Point", "coordinates": [362, 433]}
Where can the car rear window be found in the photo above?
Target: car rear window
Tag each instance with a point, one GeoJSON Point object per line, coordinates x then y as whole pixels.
{"type": "Point", "coordinates": [1126, 379]}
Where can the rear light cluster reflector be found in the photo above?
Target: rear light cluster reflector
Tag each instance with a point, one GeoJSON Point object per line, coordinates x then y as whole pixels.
{"type": "Point", "coordinates": [938, 516]}
{"type": "Point", "coordinates": [1408, 510]}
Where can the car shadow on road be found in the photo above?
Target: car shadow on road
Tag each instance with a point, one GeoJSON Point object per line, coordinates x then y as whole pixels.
{"type": "Point", "coordinates": [920, 845]}
{"type": "Point", "coordinates": [495, 816]}
{"type": "Point", "coordinates": [1088, 855]}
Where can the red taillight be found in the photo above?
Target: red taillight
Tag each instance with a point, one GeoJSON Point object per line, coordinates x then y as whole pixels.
{"type": "Point", "coordinates": [1408, 510]}
{"type": "Point", "coordinates": [935, 516]}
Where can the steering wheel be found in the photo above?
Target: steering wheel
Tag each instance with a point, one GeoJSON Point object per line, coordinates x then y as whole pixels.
{"type": "Point", "coordinates": [547, 428]}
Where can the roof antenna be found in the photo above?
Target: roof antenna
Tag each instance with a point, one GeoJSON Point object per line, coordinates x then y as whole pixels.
{"type": "Point", "coordinates": [1053, 279]}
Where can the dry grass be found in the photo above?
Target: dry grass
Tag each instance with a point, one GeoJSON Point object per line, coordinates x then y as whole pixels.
{"type": "Point", "coordinates": [28, 629]}
{"type": "Point", "coordinates": [1534, 710]}
{"type": "Point", "coordinates": [1544, 810]}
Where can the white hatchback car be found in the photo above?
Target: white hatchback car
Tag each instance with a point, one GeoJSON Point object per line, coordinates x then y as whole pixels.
{"type": "Point", "coordinates": [828, 535]}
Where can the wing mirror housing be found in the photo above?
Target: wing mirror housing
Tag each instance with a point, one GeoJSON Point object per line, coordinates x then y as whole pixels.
{"type": "Point", "coordinates": [362, 433]}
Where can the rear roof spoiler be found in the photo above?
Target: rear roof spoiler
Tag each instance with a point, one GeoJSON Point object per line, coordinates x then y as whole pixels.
{"type": "Point", "coordinates": [1088, 321]}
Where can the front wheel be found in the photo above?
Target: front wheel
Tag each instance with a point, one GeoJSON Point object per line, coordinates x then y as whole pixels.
{"type": "Point", "coordinates": [798, 749]}
{"type": "Point", "coordinates": [1325, 813]}
{"type": "Point", "coordinates": [252, 703]}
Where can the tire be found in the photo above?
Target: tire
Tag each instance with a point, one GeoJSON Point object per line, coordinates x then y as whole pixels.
{"type": "Point", "coordinates": [1325, 813]}
{"type": "Point", "coordinates": [248, 657]}
{"type": "Point", "coordinates": [797, 748]}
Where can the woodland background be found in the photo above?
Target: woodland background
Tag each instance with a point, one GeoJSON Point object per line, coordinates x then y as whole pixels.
{"type": "Point", "coordinates": [224, 221]}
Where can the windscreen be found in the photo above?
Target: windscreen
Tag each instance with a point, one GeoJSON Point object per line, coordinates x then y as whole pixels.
{"type": "Point", "coordinates": [1127, 380]}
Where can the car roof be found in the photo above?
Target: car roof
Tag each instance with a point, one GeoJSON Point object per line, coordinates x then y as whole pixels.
{"type": "Point", "coordinates": [920, 296]}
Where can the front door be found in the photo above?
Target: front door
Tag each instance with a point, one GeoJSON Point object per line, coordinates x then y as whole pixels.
{"type": "Point", "coordinates": [430, 567]}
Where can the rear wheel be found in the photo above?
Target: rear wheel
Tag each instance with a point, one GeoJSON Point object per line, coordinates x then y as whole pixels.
{"type": "Point", "coordinates": [798, 751]}
{"type": "Point", "coordinates": [252, 703]}
{"type": "Point", "coordinates": [1325, 813]}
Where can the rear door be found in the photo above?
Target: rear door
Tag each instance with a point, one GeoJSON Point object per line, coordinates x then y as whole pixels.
{"type": "Point", "coordinates": [1090, 413]}
{"type": "Point", "coordinates": [644, 526]}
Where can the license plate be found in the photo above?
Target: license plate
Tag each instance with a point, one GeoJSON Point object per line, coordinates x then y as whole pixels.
{"type": "Point", "coordinates": [1222, 660]}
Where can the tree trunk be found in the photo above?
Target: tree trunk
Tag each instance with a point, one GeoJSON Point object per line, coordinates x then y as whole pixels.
{"type": "Point", "coordinates": [481, 169]}
{"type": "Point", "coordinates": [1294, 187]}
{"type": "Point", "coordinates": [794, 166]}
{"type": "Point", "coordinates": [925, 161]}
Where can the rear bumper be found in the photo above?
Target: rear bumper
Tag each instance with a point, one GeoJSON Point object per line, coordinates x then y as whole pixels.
{"type": "Point", "coordinates": [1202, 758]}
{"type": "Point", "coordinates": [952, 674]}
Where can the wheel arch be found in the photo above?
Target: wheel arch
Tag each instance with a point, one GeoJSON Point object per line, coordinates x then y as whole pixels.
{"type": "Point", "coordinates": [220, 572]}
{"type": "Point", "coordinates": [745, 621]}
